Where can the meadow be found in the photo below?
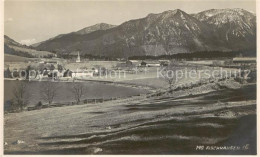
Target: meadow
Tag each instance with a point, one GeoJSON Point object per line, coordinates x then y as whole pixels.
{"type": "Point", "coordinates": [173, 125]}
{"type": "Point", "coordinates": [92, 90]}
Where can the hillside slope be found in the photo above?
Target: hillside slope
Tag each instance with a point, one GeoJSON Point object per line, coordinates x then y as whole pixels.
{"type": "Point", "coordinates": [14, 48]}
{"type": "Point", "coordinates": [86, 30]}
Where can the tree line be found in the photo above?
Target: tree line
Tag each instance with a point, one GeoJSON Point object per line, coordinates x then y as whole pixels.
{"type": "Point", "coordinates": [48, 91]}
{"type": "Point", "coordinates": [200, 55]}
{"type": "Point", "coordinates": [187, 56]}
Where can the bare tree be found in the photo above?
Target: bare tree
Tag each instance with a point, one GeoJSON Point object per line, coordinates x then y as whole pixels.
{"type": "Point", "coordinates": [21, 96]}
{"type": "Point", "coordinates": [49, 91]}
{"type": "Point", "coordinates": [77, 90]}
{"type": "Point", "coordinates": [171, 74]}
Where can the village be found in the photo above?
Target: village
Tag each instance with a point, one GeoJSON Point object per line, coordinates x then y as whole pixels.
{"type": "Point", "coordinates": [61, 69]}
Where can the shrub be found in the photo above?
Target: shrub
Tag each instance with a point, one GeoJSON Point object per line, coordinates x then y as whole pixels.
{"type": "Point", "coordinates": [39, 105]}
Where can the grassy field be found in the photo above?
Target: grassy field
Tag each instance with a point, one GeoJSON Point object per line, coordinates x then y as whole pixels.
{"type": "Point", "coordinates": [14, 58]}
{"type": "Point", "coordinates": [155, 82]}
{"type": "Point", "coordinates": [189, 75]}
{"type": "Point", "coordinates": [33, 52]}
{"type": "Point", "coordinates": [138, 125]}
{"type": "Point", "coordinates": [206, 62]}
{"type": "Point", "coordinates": [90, 64]}
{"type": "Point", "coordinates": [93, 90]}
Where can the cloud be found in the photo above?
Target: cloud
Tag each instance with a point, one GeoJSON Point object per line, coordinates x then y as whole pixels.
{"type": "Point", "coordinates": [28, 41]}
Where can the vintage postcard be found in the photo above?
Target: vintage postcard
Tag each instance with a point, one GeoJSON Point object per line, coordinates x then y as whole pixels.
{"type": "Point", "coordinates": [129, 77]}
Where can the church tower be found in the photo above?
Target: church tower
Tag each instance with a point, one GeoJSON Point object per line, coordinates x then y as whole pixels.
{"type": "Point", "coordinates": [78, 58]}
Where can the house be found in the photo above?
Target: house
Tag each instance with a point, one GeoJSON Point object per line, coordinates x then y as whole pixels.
{"type": "Point", "coordinates": [55, 74]}
{"type": "Point", "coordinates": [120, 59]}
{"type": "Point", "coordinates": [164, 60]}
{"type": "Point", "coordinates": [95, 69]}
{"type": "Point", "coordinates": [121, 64]}
{"type": "Point", "coordinates": [150, 63]}
{"type": "Point", "coordinates": [164, 63]}
{"type": "Point", "coordinates": [143, 64]}
{"type": "Point", "coordinates": [244, 60]}
{"type": "Point", "coordinates": [129, 63]}
{"type": "Point", "coordinates": [134, 63]}
{"type": "Point", "coordinates": [67, 73]}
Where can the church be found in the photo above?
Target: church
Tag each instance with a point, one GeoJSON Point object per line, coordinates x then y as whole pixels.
{"type": "Point", "coordinates": [78, 58]}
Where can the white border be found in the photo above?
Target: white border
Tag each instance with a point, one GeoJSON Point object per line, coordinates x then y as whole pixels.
{"type": "Point", "coordinates": [2, 89]}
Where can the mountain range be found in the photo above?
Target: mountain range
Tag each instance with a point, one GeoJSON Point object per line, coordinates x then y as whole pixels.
{"type": "Point", "coordinates": [165, 33]}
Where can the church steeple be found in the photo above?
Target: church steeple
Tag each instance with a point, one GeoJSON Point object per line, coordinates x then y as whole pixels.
{"type": "Point", "coordinates": [78, 59]}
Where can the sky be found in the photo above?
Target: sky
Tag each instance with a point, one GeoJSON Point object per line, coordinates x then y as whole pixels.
{"type": "Point", "coordinates": [30, 22]}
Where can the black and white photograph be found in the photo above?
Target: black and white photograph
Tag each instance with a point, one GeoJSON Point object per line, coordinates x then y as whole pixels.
{"type": "Point", "coordinates": [175, 77]}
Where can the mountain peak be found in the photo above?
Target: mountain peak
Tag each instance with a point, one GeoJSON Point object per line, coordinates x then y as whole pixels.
{"type": "Point", "coordinates": [232, 11]}
{"type": "Point", "coordinates": [96, 27]}
{"type": "Point", "coordinates": [177, 13]}
{"type": "Point", "coordinates": [102, 25]}
{"type": "Point", "coordinates": [230, 23]}
{"type": "Point", "coordinates": [218, 16]}
{"type": "Point", "coordinates": [173, 12]}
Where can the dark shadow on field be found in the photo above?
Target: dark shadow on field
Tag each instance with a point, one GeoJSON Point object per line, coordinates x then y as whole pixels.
{"type": "Point", "coordinates": [244, 133]}
{"type": "Point", "coordinates": [242, 94]}
{"type": "Point", "coordinates": [164, 137]}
